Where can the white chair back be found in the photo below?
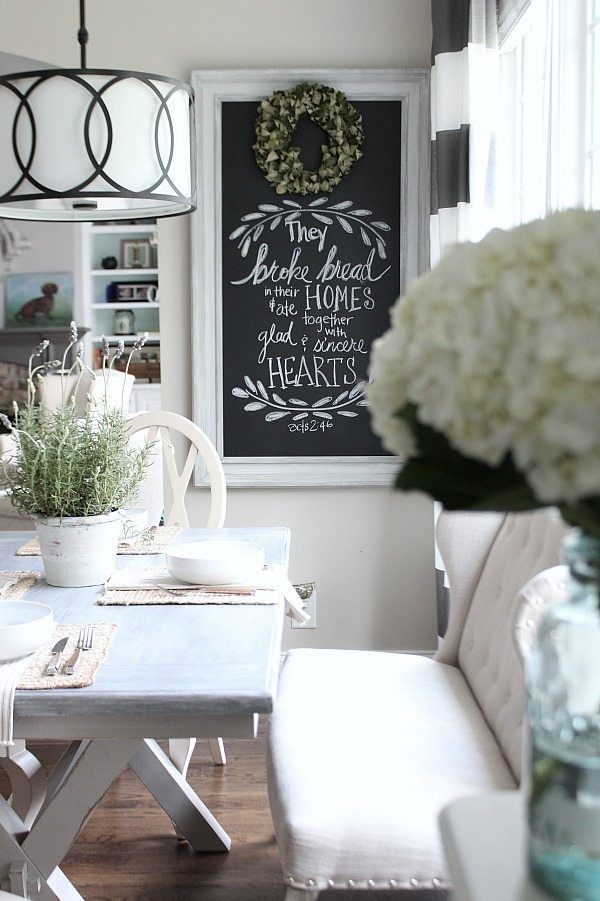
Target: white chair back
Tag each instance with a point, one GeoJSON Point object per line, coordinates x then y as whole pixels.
{"type": "Point", "coordinates": [161, 427]}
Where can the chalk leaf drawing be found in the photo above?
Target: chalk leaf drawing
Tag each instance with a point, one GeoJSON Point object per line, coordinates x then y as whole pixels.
{"type": "Point", "coordinates": [351, 220]}
{"type": "Point", "coordinates": [277, 408]}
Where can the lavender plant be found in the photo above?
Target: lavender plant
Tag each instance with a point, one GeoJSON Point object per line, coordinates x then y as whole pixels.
{"type": "Point", "coordinates": [66, 462]}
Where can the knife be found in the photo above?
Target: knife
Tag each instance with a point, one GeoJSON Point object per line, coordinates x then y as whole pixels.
{"type": "Point", "coordinates": [52, 668]}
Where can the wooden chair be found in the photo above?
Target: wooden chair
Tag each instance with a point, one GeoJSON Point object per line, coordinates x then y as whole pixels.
{"type": "Point", "coordinates": [161, 427]}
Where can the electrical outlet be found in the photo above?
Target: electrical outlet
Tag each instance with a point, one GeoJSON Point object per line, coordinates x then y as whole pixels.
{"type": "Point", "coordinates": [308, 596]}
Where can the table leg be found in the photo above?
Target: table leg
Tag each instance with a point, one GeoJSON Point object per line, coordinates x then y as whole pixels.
{"type": "Point", "coordinates": [217, 749]}
{"type": "Point", "coordinates": [62, 887]}
{"type": "Point", "coordinates": [29, 857]}
{"type": "Point", "coordinates": [180, 752]}
{"type": "Point", "coordinates": [191, 817]}
{"type": "Point", "coordinates": [89, 776]}
{"type": "Point", "coordinates": [18, 873]}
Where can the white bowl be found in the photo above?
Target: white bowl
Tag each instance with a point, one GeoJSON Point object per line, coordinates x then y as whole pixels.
{"type": "Point", "coordinates": [24, 627]}
{"type": "Point", "coordinates": [215, 562]}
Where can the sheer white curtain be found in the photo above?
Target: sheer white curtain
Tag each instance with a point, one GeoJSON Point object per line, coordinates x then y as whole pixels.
{"type": "Point", "coordinates": [545, 91]}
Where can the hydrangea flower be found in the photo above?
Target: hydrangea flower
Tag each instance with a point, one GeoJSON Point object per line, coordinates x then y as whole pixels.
{"type": "Point", "coordinates": [498, 349]}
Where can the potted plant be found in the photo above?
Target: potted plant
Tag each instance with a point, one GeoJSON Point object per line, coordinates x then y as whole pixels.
{"type": "Point", "coordinates": [73, 470]}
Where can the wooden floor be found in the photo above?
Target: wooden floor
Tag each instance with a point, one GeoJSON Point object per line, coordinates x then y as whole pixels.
{"type": "Point", "coordinates": [127, 850]}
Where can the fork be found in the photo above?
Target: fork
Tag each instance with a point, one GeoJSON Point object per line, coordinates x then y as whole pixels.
{"type": "Point", "coordinates": [85, 640]}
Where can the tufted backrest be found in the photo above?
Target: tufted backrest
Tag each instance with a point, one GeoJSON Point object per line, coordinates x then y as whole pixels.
{"type": "Point", "coordinates": [464, 541]}
{"type": "Point", "coordinates": [523, 545]}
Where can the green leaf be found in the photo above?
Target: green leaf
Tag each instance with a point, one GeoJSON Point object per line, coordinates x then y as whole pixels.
{"type": "Point", "coordinates": [460, 482]}
{"type": "Point", "coordinates": [585, 514]}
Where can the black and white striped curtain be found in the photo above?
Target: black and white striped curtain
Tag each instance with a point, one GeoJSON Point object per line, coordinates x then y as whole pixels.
{"type": "Point", "coordinates": [464, 108]}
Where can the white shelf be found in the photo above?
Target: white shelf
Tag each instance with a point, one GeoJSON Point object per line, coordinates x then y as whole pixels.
{"type": "Point", "coordinates": [96, 243]}
{"type": "Point", "coordinates": [153, 337]}
{"type": "Point", "coordinates": [124, 305]}
{"type": "Point", "coordinates": [110, 273]}
{"type": "Point", "coordinates": [123, 229]}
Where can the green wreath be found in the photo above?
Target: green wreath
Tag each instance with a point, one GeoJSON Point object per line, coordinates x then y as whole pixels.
{"type": "Point", "coordinates": [278, 116]}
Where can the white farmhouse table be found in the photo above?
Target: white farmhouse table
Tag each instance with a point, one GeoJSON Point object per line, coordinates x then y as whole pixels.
{"type": "Point", "coordinates": [172, 671]}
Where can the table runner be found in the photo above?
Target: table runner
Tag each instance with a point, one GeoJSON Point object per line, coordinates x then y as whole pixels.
{"type": "Point", "coordinates": [150, 541]}
{"type": "Point", "coordinates": [154, 585]}
{"type": "Point", "coordinates": [117, 597]}
{"type": "Point", "coordinates": [14, 583]}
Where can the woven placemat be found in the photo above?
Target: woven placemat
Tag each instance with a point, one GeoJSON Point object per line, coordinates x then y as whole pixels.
{"type": "Point", "coordinates": [14, 583]}
{"type": "Point", "coordinates": [35, 676]}
{"type": "Point", "coordinates": [150, 541]}
{"type": "Point", "coordinates": [129, 597]}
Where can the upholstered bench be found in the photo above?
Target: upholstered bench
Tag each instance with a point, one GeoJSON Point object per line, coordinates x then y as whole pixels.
{"type": "Point", "coordinates": [366, 748]}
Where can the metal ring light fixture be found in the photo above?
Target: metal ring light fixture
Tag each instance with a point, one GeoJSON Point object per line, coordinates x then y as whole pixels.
{"type": "Point", "coordinates": [95, 144]}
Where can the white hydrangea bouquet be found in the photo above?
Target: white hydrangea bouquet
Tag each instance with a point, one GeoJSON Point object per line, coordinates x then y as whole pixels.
{"type": "Point", "coordinates": [487, 384]}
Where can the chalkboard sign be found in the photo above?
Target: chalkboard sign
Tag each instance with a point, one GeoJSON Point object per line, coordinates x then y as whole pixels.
{"type": "Point", "coordinates": [300, 286]}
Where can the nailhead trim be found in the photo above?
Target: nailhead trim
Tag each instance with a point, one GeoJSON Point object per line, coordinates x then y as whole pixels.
{"type": "Point", "coordinates": [412, 883]}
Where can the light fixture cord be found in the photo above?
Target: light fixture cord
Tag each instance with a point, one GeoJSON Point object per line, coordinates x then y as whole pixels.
{"type": "Point", "coordinates": [82, 34]}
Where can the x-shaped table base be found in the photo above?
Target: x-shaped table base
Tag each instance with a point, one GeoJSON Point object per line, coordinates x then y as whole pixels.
{"type": "Point", "coordinates": [40, 824]}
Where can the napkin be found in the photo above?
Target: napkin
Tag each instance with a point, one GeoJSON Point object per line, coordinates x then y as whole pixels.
{"type": "Point", "coordinates": [10, 675]}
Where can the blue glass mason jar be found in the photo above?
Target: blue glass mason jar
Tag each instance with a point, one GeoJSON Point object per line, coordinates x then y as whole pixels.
{"type": "Point", "coordinates": [563, 689]}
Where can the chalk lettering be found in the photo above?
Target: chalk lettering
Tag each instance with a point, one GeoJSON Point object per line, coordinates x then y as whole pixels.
{"type": "Point", "coordinates": [260, 272]}
{"type": "Point", "coordinates": [359, 272]}
{"type": "Point", "coordinates": [311, 371]}
{"type": "Point", "coordinates": [299, 232]}
{"type": "Point", "coordinates": [274, 336]}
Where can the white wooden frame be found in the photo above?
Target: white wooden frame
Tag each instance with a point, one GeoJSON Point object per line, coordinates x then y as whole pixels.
{"type": "Point", "coordinates": [212, 87]}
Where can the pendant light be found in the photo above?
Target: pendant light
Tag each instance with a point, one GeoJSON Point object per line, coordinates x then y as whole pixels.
{"type": "Point", "coordinates": [95, 144]}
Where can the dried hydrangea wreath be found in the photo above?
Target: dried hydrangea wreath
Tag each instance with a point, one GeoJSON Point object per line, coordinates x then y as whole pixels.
{"type": "Point", "coordinates": [278, 116]}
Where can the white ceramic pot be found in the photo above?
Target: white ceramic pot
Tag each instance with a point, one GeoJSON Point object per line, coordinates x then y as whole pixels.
{"type": "Point", "coordinates": [79, 550]}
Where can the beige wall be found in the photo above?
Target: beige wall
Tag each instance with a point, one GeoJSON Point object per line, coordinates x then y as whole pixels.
{"type": "Point", "coordinates": [369, 550]}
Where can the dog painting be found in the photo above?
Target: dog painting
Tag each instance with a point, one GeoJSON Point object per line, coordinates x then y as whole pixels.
{"type": "Point", "coordinates": [36, 299]}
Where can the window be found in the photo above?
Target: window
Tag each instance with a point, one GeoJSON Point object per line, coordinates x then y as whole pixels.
{"type": "Point", "coordinates": [592, 156]}
{"type": "Point", "coordinates": [550, 130]}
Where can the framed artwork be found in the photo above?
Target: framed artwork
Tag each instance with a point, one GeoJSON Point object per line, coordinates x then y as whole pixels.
{"type": "Point", "coordinates": [291, 289]}
{"type": "Point", "coordinates": [137, 292]}
{"type": "Point", "coordinates": [32, 299]}
{"type": "Point", "coordinates": [136, 253]}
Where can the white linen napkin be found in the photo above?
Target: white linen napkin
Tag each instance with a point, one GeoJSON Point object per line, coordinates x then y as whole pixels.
{"type": "Point", "coordinates": [10, 676]}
